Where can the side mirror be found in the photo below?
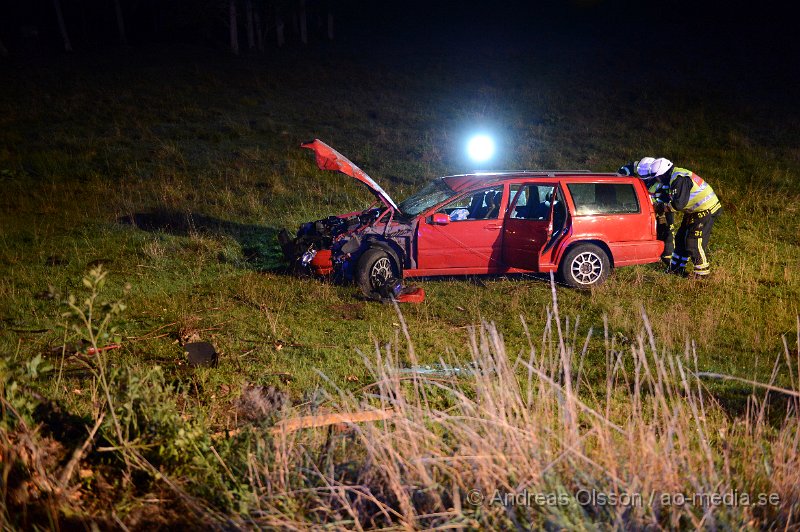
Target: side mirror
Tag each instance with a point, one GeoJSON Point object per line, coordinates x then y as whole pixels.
{"type": "Point", "coordinates": [440, 218]}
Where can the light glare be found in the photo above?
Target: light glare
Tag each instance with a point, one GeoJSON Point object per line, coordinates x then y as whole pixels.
{"type": "Point", "coordinates": [480, 148]}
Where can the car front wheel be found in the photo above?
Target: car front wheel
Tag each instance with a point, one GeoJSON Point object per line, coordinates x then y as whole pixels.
{"type": "Point", "coordinates": [375, 267]}
{"type": "Point", "coordinates": [584, 266]}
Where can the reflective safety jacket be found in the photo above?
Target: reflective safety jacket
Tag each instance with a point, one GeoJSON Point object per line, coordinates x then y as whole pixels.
{"type": "Point", "coordinates": [690, 193]}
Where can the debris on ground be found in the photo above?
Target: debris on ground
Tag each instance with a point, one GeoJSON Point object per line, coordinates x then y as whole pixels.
{"type": "Point", "coordinates": [95, 350]}
{"type": "Point", "coordinates": [201, 354]}
{"type": "Point", "coordinates": [393, 289]}
{"type": "Point", "coordinates": [81, 347]}
{"type": "Point", "coordinates": [413, 294]}
{"type": "Point", "coordinates": [443, 370]}
{"type": "Point", "coordinates": [306, 422]}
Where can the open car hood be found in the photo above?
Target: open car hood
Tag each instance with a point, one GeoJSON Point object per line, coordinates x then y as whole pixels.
{"type": "Point", "coordinates": [330, 159]}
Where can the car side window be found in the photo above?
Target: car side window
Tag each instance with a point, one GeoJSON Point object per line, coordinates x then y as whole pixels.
{"type": "Point", "coordinates": [482, 204]}
{"type": "Point", "coordinates": [533, 203]}
{"type": "Point", "coordinates": [603, 198]}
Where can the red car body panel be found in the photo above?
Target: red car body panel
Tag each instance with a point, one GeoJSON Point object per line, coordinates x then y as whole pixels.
{"type": "Point", "coordinates": [330, 159]}
{"type": "Point", "coordinates": [502, 243]}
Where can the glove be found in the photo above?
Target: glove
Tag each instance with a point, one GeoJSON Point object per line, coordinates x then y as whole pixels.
{"type": "Point", "coordinates": [628, 169]}
{"type": "Point", "coordinates": [663, 197]}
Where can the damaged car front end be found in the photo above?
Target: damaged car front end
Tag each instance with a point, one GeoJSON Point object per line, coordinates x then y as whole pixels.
{"type": "Point", "coordinates": [371, 247]}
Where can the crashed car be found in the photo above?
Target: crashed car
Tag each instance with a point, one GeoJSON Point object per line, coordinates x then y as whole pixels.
{"type": "Point", "coordinates": [578, 224]}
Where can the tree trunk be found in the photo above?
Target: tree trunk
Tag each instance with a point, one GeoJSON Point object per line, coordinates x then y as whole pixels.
{"type": "Point", "coordinates": [303, 24]}
{"type": "Point", "coordinates": [259, 31]}
{"type": "Point", "coordinates": [251, 40]}
{"type": "Point", "coordinates": [279, 27]}
{"type": "Point", "coordinates": [120, 23]}
{"type": "Point", "coordinates": [330, 25]}
{"type": "Point", "coordinates": [62, 26]}
{"type": "Point", "coordinates": [234, 26]}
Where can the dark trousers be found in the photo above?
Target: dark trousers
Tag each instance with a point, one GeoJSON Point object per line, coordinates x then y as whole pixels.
{"type": "Point", "coordinates": [691, 241]}
{"type": "Point", "coordinates": [665, 224]}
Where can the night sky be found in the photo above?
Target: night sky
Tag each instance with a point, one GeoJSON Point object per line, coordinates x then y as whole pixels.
{"type": "Point", "coordinates": [744, 34]}
{"type": "Point", "coordinates": [739, 49]}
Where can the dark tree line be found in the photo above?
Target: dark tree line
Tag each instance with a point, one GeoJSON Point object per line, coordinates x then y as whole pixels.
{"type": "Point", "coordinates": [250, 25]}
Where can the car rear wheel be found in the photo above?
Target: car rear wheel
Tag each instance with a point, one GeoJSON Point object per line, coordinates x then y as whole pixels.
{"type": "Point", "coordinates": [374, 268]}
{"type": "Point", "coordinates": [584, 266]}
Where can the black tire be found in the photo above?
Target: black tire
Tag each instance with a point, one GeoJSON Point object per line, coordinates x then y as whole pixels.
{"type": "Point", "coordinates": [374, 267]}
{"type": "Point", "coordinates": [584, 266]}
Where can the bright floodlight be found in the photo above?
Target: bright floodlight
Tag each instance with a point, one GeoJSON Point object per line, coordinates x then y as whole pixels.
{"type": "Point", "coordinates": [480, 148]}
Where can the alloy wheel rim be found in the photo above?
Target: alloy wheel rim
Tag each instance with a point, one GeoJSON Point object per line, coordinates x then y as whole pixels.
{"type": "Point", "coordinates": [381, 270]}
{"type": "Point", "coordinates": [587, 268]}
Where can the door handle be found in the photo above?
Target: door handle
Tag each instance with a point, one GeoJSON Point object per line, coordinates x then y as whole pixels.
{"type": "Point", "coordinates": [493, 226]}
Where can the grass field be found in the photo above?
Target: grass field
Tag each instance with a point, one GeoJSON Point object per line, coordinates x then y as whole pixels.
{"type": "Point", "coordinates": [175, 173]}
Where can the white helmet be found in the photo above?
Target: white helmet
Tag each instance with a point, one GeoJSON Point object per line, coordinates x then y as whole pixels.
{"type": "Point", "coordinates": [643, 166]}
{"type": "Point", "coordinates": [660, 167]}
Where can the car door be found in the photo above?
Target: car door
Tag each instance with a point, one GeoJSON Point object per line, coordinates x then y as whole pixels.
{"type": "Point", "coordinates": [528, 224]}
{"type": "Point", "coordinates": [610, 211]}
{"type": "Point", "coordinates": [465, 235]}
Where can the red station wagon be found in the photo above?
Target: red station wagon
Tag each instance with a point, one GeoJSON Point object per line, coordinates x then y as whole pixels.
{"type": "Point", "coordinates": [575, 223]}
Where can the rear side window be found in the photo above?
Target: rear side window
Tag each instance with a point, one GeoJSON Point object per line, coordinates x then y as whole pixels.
{"type": "Point", "coordinates": [603, 198]}
{"type": "Point", "coordinates": [533, 202]}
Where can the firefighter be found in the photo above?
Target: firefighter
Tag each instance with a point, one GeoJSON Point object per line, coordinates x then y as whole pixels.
{"type": "Point", "coordinates": [659, 195]}
{"type": "Point", "coordinates": [691, 195]}
{"type": "Point", "coordinates": [640, 167]}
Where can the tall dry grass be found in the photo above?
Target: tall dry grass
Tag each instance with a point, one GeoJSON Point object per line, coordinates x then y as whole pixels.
{"type": "Point", "coordinates": [511, 441]}
{"type": "Point", "coordinates": [527, 441]}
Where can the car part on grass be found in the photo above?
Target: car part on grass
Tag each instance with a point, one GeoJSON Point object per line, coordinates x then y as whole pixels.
{"type": "Point", "coordinates": [201, 354]}
{"type": "Point", "coordinates": [392, 289]}
{"type": "Point", "coordinates": [413, 294]}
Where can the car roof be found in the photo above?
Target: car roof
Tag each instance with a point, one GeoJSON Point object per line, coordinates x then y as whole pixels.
{"type": "Point", "coordinates": [467, 181]}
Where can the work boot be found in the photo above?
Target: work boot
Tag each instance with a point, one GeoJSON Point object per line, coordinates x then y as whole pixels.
{"type": "Point", "coordinates": [675, 269]}
{"type": "Point", "coordinates": [700, 273]}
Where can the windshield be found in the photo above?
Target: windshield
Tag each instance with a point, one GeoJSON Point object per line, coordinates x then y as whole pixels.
{"type": "Point", "coordinates": [431, 194]}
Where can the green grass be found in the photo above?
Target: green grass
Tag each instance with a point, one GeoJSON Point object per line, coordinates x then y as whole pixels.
{"type": "Point", "coordinates": [203, 152]}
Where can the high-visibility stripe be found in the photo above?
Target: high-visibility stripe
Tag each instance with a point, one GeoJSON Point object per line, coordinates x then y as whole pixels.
{"type": "Point", "coordinates": [703, 261]}
{"type": "Point", "coordinates": [696, 190]}
{"type": "Point", "coordinates": [679, 172]}
{"type": "Point", "coordinates": [703, 200]}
